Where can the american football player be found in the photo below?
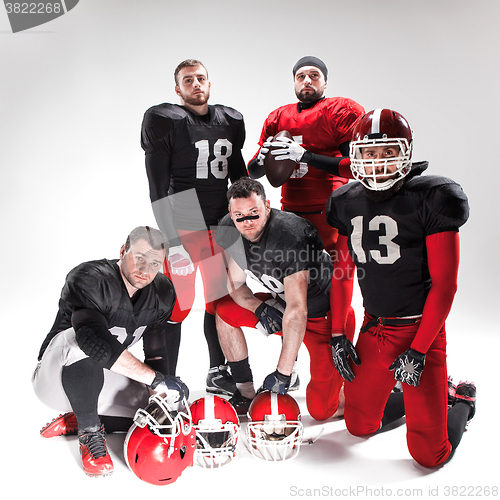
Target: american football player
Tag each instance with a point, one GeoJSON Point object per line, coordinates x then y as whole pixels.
{"type": "Point", "coordinates": [284, 253]}
{"type": "Point", "coordinates": [192, 150]}
{"type": "Point", "coordinates": [84, 367]}
{"type": "Point", "coordinates": [399, 228]}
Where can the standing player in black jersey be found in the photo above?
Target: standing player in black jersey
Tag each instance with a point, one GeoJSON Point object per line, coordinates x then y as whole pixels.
{"type": "Point", "coordinates": [192, 150]}
{"type": "Point", "coordinates": [285, 254]}
{"type": "Point", "coordinates": [400, 229]}
{"type": "Point", "coordinates": [84, 367]}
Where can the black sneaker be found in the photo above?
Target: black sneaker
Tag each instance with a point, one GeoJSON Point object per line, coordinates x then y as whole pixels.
{"type": "Point", "coordinates": [240, 403]}
{"type": "Point", "coordinates": [220, 381]}
{"type": "Point", "coordinates": [466, 393]}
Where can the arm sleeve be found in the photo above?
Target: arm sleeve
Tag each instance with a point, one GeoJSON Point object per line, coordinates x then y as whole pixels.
{"type": "Point", "coordinates": [237, 167]}
{"type": "Point", "coordinates": [337, 165]}
{"type": "Point", "coordinates": [94, 338]}
{"type": "Point", "coordinates": [342, 286]}
{"type": "Point", "coordinates": [443, 254]}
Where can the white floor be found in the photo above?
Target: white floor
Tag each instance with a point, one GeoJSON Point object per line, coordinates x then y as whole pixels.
{"type": "Point", "coordinates": [336, 465]}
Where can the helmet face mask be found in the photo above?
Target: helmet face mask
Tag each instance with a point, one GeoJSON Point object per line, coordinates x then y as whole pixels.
{"type": "Point", "coordinates": [274, 431]}
{"type": "Point", "coordinates": [374, 134]}
{"type": "Point", "coordinates": [217, 431]}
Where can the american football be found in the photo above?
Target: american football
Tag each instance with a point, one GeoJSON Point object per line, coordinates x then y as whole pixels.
{"type": "Point", "coordinates": [278, 171]}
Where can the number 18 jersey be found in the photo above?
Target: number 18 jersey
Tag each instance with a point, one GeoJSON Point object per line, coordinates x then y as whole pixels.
{"type": "Point", "coordinates": [186, 151]}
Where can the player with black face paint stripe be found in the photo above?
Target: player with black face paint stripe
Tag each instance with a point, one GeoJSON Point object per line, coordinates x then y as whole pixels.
{"type": "Point", "coordinates": [285, 254]}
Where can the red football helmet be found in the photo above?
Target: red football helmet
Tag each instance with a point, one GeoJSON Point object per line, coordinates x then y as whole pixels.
{"type": "Point", "coordinates": [217, 428]}
{"type": "Point", "coordinates": [274, 430]}
{"type": "Point", "coordinates": [161, 442]}
{"type": "Point", "coordinates": [380, 170]}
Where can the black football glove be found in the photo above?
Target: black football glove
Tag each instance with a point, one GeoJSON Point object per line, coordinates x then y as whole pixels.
{"type": "Point", "coordinates": [277, 382]}
{"type": "Point", "coordinates": [270, 318]}
{"type": "Point", "coordinates": [408, 367]}
{"type": "Point", "coordinates": [173, 387]}
{"type": "Point", "coordinates": [342, 350]}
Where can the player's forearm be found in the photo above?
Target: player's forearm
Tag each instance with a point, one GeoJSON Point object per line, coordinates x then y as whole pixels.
{"type": "Point", "coordinates": [244, 297]}
{"type": "Point", "coordinates": [294, 328]}
{"type": "Point", "coordinates": [129, 366]}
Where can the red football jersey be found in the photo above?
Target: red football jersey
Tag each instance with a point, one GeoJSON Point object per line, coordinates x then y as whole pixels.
{"type": "Point", "coordinates": [321, 129]}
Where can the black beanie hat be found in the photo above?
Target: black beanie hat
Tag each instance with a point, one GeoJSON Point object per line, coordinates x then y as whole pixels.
{"type": "Point", "coordinates": [311, 61]}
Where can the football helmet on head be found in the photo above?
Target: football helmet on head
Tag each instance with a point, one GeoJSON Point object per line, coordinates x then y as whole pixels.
{"type": "Point", "coordinates": [381, 129]}
{"type": "Point", "coordinates": [217, 429]}
{"type": "Point", "coordinates": [274, 430]}
{"type": "Point", "coordinates": [161, 442]}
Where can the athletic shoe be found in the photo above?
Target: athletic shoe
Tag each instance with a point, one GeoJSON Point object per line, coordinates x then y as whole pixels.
{"type": "Point", "coordinates": [240, 403]}
{"type": "Point", "coordinates": [452, 389]}
{"type": "Point", "coordinates": [295, 381]}
{"type": "Point", "coordinates": [95, 457]}
{"type": "Point", "coordinates": [220, 381]}
{"type": "Point", "coordinates": [466, 393]}
{"type": "Point", "coordinates": [63, 425]}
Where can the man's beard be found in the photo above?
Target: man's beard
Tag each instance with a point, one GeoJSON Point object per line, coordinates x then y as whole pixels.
{"type": "Point", "coordinates": [197, 100]}
{"type": "Point", "coordinates": [308, 98]}
{"type": "Point", "coordinates": [383, 195]}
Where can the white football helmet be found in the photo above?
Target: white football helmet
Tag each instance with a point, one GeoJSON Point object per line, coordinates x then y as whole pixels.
{"type": "Point", "coordinates": [375, 129]}
{"type": "Point", "coordinates": [274, 431]}
{"type": "Point", "coordinates": [217, 430]}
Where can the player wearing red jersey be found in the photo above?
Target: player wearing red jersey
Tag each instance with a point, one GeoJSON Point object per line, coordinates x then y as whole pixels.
{"type": "Point", "coordinates": [322, 126]}
{"type": "Point", "coordinates": [192, 149]}
{"type": "Point", "coordinates": [400, 229]}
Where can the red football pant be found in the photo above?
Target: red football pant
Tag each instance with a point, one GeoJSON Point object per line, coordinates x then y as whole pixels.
{"type": "Point", "coordinates": [322, 393]}
{"type": "Point", "coordinates": [208, 257]}
{"type": "Point", "coordinates": [425, 405]}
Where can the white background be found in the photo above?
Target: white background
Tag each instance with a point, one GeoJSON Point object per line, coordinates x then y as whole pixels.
{"type": "Point", "coordinates": [72, 96]}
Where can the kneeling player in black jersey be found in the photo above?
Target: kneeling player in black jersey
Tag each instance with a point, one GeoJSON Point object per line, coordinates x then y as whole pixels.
{"type": "Point", "coordinates": [400, 229]}
{"type": "Point", "coordinates": [285, 254]}
{"type": "Point", "coordinates": [84, 367]}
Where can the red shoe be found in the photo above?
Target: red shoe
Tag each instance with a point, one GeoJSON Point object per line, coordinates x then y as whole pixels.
{"type": "Point", "coordinates": [452, 389]}
{"type": "Point", "coordinates": [63, 425]}
{"type": "Point", "coordinates": [95, 457]}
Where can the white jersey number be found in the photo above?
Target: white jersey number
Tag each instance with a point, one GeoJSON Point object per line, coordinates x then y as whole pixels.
{"type": "Point", "coordinates": [392, 253]}
{"type": "Point", "coordinates": [218, 166]}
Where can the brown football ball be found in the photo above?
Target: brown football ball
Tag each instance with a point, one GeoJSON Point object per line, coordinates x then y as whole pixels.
{"type": "Point", "coordinates": [278, 171]}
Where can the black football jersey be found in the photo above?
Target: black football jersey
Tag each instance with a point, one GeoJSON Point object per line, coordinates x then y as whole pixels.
{"type": "Point", "coordinates": [387, 238]}
{"type": "Point", "coordinates": [185, 151]}
{"type": "Point", "coordinates": [289, 244]}
{"type": "Point", "coordinates": [98, 286]}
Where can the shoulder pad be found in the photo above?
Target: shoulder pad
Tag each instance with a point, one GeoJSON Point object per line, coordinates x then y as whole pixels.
{"type": "Point", "coordinates": [92, 285]}
{"type": "Point", "coordinates": [445, 197]}
{"type": "Point", "coordinates": [166, 110]}
{"type": "Point", "coordinates": [231, 112]}
{"type": "Point", "coordinates": [165, 291]}
{"type": "Point", "coordinates": [293, 231]}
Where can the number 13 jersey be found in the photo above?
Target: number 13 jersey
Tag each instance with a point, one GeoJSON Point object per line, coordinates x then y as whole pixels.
{"type": "Point", "coordinates": [386, 239]}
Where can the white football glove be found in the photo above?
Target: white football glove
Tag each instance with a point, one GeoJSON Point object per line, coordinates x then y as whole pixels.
{"type": "Point", "coordinates": [263, 152]}
{"type": "Point", "coordinates": [288, 149]}
{"type": "Point", "coordinates": [180, 261]}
